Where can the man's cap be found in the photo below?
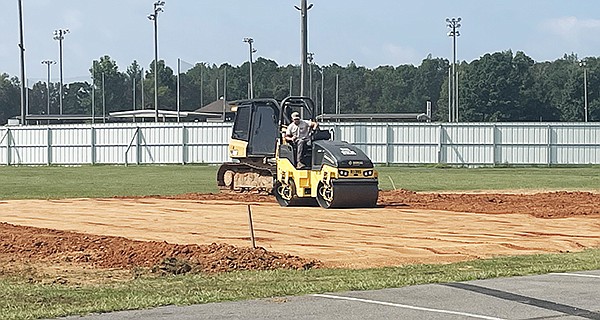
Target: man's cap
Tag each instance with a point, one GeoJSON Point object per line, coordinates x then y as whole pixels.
{"type": "Point", "coordinates": [295, 115]}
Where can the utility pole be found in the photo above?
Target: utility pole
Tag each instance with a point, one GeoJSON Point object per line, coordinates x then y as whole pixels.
{"type": "Point", "coordinates": [48, 63]}
{"type": "Point", "coordinates": [93, 96]}
{"type": "Point", "coordinates": [103, 101]}
{"type": "Point", "coordinates": [303, 44]}
{"type": "Point", "coordinates": [60, 36]}
{"type": "Point", "coordinates": [322, 89]}
{"type": "Point", "coordinates": [583, 64]}
{"type": "Point", "coordinates": [22, 50]}
{"type": "Point", "coordinates": [454, 24]}
{"type": "Point", "coordinates": [133, 90]}
{"type": "Point", "coordinates": [178, 89]}
{"type": "Point", "coordinates": [154, 17]}
{"type": "Point", "coordinates": [142, 101]}
{"type": "Point", "coordinates": [252, 51]}
{"type": "Point", "coordinates": [310, 63]}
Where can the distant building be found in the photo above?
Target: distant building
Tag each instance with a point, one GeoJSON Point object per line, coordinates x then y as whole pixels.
{"type": "Point", "coordinates": [219, 108]}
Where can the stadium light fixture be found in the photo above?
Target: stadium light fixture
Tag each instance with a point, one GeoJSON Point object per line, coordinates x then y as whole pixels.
{"type": "Point", "coordinates": [250, 41]}
{"type": "Point", "coordinates": [49, 63]}
{"type": "Point", "coordinates": [454, 24]}
{"type": "Point", "coordinates": [158, 7]}
{"type": "Point", "coordinates": [59, 35]}
{"type": "Point", "coordinates": [583, 64]}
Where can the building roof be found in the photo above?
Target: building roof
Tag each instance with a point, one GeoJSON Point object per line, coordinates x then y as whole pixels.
{"type": "Point", "coordinates": [374, 116]}
{"type": "Point", "coordinates": [71, 117]}
{"type": "Point", "coordinates": [216, 107]}
{"type": "Point", "coordinates": [149, 113]}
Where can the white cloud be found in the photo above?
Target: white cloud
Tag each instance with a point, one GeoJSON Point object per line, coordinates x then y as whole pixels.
{"type": "Point", "coordinates": [400, 55]}
{"type": "Point", "coordinates": [572, 28]}
{"type": "Point", "coordinates": [73, 18]}
{"type": "Point", "coordinates": [387, 54]}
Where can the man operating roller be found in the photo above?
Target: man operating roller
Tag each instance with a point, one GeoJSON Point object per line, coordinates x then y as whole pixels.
{"type": "Point", "coordinates": [298, 132]}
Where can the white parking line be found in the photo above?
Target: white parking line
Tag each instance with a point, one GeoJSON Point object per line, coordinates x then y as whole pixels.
{"type": "Point", "coordinates": [576, 275]}
{"type": "Point", "coordinates": [407, 306]}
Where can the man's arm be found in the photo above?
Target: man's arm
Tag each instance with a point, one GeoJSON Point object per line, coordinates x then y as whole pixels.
{"type": "Point", "coordinates": [289, 136]}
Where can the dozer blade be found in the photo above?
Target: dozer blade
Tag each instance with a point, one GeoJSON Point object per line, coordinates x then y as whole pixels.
{"type": "Point", "coordinates": [354, 193]}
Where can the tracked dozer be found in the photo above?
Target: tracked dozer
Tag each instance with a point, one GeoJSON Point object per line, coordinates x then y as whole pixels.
{"type": "Point", "coordinates": [339, 175]}
{"type": "Point", "coordinates": [252, 147]}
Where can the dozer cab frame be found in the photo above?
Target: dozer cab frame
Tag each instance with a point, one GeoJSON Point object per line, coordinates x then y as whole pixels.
{"type": "Point", "coordinates": [252, 147]}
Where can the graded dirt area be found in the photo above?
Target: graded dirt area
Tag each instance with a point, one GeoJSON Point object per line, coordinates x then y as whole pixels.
{"type": "Point", "coordinates": [212, 230]}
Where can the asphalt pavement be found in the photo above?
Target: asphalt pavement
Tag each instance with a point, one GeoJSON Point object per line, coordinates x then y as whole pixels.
{"type": "Point", "coordinates": [560, 296]}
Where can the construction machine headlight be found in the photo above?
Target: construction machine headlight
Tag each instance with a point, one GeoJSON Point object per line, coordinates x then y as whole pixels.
{"type": "Point", "coordinates": [368, 173]}
{"type": "Point", "coordinates": [234, 152]}
{"type": "Point", "coordinates": [343, 173]}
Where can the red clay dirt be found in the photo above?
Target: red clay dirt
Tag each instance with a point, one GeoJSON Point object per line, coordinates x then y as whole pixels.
{"type": "Point", "coordinates": [407, 227]}
{"type": "Point", "coordinates": [557, 204]}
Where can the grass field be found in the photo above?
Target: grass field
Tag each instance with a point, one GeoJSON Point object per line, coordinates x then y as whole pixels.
{"type": "Point", "coordinates": [108, 181]}
{"type": "Point", "coordinates": [22, 299]}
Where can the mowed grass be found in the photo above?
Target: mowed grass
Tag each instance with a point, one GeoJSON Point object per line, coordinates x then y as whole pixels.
{"type": "Point", "coordinates": [478, 179]}
{"type": "Point", "coordinates": [104, 181]}
{"type": "Point", "coordinates": [108, 181]}
{"type": "Point", "coordinates": [21, 298]}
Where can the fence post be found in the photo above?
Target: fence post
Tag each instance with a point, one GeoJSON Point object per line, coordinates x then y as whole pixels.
{"type": "Point", "coordinates": [138, 151]}
{"type": "Point", "coordinates": [183, 144]}
{"type": "Point", "coordinates": [494, 144]}
{"type": "Point", "coordinates": [7, 137]}
{"type": "Point", "coordinates": [48, 146]}
{"type": "Point", "coordinates": [92, 145]}
{"type": "Point", "coordinates": [388, 149]}
{"type": "Point", "coordinates": [440, 145]}
{"type": "Point", "coordinates": [549, 148]}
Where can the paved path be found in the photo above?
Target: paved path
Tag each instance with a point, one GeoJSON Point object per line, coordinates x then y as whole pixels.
{"type": "Point", "coordinates": [562, 296]}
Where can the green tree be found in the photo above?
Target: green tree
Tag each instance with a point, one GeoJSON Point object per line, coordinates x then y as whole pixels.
{"type": "Point", "coordinates": [561, 86]}
{"type": "Point", "coordinates": [37, 98]}
{"type": "Point", "coordinates": [133, 79]}
{"type": "Point", "coordinates": [167, 87]}
{"type": "Point", "coordinates": [430, 79]}
{"type": "Point", "coordinates": [111, 88]}
{"type": "Point", "coordinates": [499, 87]}
{"type": "Point", "coordinates": [10, 97]}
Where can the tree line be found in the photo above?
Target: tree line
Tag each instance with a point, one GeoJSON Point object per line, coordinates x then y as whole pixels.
{"type": "Point", "coordinates": [501, 86]}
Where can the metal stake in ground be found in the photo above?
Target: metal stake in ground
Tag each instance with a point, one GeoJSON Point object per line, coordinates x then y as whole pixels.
{"type": "Point", "coordinates": [251, 227]}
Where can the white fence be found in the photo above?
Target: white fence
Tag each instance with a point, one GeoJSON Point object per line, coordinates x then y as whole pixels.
{"type": "Point", "coordinates": [385, 143]}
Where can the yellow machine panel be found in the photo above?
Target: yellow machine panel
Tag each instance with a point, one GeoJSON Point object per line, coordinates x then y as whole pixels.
{"type": "Point", "coordinates": [237, 149]}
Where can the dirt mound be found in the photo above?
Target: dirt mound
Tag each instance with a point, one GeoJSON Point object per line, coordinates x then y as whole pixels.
{"type": "Point", "coordinates": [541, 205]}
{"type": "Point", "coordinates": [28, 244]}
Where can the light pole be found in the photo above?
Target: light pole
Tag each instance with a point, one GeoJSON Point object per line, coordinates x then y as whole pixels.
{"type": "Point", "coordinates": [59, 35]}
{"type": "Point", "coordinates": [22, 51]}
{"type": "Point", "coordinates": [322, 71]}
{"type": "Point", "coordinates": [303, 43]}
{"type": "Point", "coordinates": [252, 50]}
{"type": "Point", "coordinates": [322, 89]}
{"type": "Point", "coordinates": [454, 24]}
{"type": "Point", "coordinates": [154, 17]}
{"type": "Point", "coordinates": [310, 56]}
{"type": "Point", "coordinates": [585, 94]}
{"type": "Point", "coordinates": [48, 63]}
{"type": "Point", "coordinates": [103, 101]}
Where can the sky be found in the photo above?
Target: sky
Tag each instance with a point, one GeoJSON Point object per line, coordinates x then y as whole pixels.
{"type": "Point", "coordinates": [369, 33]}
